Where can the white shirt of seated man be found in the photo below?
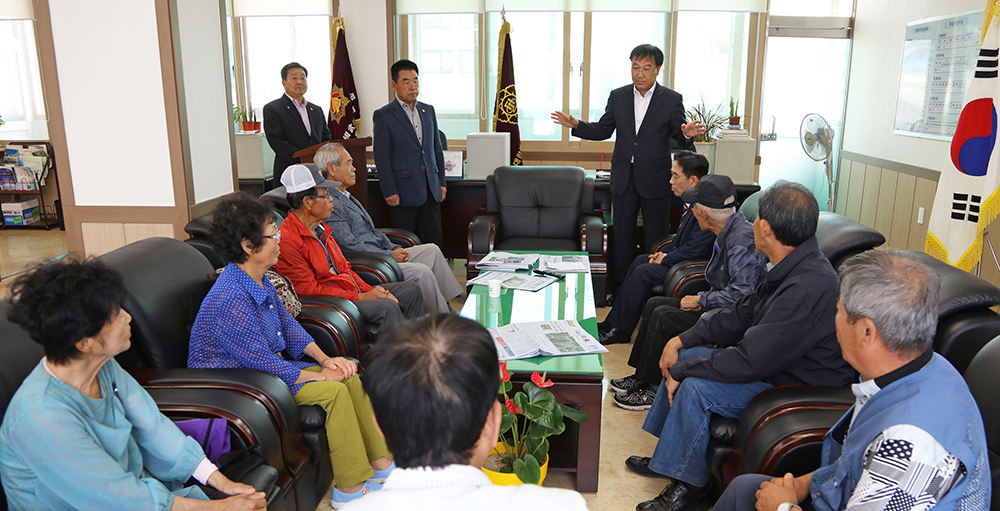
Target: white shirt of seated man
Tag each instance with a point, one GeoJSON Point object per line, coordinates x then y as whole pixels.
{"type": "Point", "coordinates": [464, 487]}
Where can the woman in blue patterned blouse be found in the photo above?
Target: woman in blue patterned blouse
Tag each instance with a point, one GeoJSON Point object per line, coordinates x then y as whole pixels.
{"type": "Point", "coordinates": [243, 323]}
{"type": "Point", "coordinates": [80, 433]}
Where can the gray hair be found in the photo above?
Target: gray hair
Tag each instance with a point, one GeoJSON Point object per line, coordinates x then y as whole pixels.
{"type": "Point", "coordinates": [326, 155]}
{"type": "Point", "coordinates": [719, 215]}
{"type": "Point", "coordinates": [898, 292]}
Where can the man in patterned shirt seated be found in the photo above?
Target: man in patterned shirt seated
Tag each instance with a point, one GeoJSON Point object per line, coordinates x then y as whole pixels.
{"type": "Point", "coordinates": [914, 438]}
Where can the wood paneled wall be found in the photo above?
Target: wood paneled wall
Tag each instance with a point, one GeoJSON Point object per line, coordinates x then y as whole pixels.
{"type": "Point", "coordinates": [886, 198]}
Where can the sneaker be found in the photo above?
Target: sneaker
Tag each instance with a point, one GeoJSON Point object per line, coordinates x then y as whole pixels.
{"type": "Point", "coordinates": [339, 499]}
{"type": "Point", "coordinates": [625, 384]}
{"type": "Point", "coordinates": [641, 399]}
{"type": "Point", "coordinates": [381, 475]}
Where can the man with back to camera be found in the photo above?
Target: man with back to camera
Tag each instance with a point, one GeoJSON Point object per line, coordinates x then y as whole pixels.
{"type": "Point", "coordinates": [647, 270]}
{"type": "Point", "coordinates": [409, 157]}
{"type": "Point", "coordinates": [354, 230]}
{"type": "Point", "coordinates": [914, 439]}
{"type": "Point", "coordinates": [433, 386]}
{"type": "Point", "coordinates": [290, 122]}
{"type": "Point", "coordinates": [782, 333]}
{"type": "Point", "coordinates": [647, 116]}
{"type": "Point", "coordinates": [733, 271]}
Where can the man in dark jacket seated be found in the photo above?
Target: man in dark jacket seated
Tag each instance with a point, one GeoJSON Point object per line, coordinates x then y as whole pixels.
{"type": "Point", "coordinates": [734, 270]}
{"type": "Point", "coordinates": [647, 270]}
{"type": "Point", "coordinates": [915, 438]}
{"type": "Point", "coordinates": [782, 333]}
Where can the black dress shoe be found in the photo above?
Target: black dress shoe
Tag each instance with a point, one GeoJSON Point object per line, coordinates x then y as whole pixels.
{"type": "Point", "coordinates": [640, 465]}
{"type": "Point", "coordinates": [675, 497]}
{"type": "Point", "coordinates": [607, 334]}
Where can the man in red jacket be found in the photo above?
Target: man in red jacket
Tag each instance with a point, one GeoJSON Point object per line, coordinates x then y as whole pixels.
{"type": "Point", "coordinates": [311, 259]}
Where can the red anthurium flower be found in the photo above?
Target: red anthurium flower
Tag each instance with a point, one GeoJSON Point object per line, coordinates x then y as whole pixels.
{"type": "Point", "coordinates": [512, 407]}
{"type": "Point", "coordinates": [504, 375]}
{"type": "Point", "coordinates": [540, 380]}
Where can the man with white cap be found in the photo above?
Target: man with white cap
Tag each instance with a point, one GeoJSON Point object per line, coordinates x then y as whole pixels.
{"type": "Point", "coordinates": [311, 259]}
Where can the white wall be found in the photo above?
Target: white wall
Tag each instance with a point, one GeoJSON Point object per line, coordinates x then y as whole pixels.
{"type": "Point", "coordinates": [111, 90]}
{"type": "Point", "coordinates": [879, 29]}
{"type": "Point", "coordinates": [208, 124]}
{"type": "Point", "coordinates": [366, 40]}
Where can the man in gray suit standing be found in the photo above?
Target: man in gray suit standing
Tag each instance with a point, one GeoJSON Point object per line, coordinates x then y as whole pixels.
{"type": "Point", "coordinates": [647, 116]}
{"type": "Point", "coordinates": [353, 229]}
{"type": "Point", "coordinates": [409, 157]}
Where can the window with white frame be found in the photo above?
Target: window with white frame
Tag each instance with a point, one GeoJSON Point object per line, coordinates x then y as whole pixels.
{"type": "Point", "coordinates": [22, 105]}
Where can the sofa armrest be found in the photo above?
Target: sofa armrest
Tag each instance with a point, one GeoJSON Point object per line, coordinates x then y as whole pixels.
{"type": "Point", "coordinates": [683, 277]}
{"type": "Point", "coordinates": [772, 403]}
{"type": "Point", "coordinates": [662, 243]}
{"type": "Point", "coordinates": [375, 269]}
{"type": "Point", "coordinates": [347, 320]}
{"type": "Point", "coordinates": [482, 232]}
{"type": "Point", "coordinates": [594, 235]}
{"type": "Point", "coordinates": [401, 237]}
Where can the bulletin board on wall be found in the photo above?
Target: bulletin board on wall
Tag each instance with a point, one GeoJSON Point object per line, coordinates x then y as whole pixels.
{"type": "Point", "coordinates": [939, 57]}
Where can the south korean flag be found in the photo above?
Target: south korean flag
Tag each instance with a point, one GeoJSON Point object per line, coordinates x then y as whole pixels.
{"type": "Point", "coordinates": [967, 198]}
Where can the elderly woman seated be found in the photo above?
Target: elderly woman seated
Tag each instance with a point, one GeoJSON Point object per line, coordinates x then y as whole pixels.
{"type": "Point", "coordinates": [80, 433]}
{"type": "Point", "coordinates": [243, 323]}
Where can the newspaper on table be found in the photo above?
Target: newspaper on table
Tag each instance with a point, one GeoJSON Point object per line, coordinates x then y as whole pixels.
{"type": "Point", "coordinates": [506, 261]}
{"type": "Point", "coordinates": [513, 280]}
{"type": "Point", "coordinates": [544, 338]}
{"type": "Point", "coordinates": [564, 263]}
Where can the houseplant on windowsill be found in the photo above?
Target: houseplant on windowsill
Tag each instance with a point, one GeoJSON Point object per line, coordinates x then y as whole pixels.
{"type": "Point", "coordinates": [713, 121]}
{"type": "Point", "coordinates": [529, 418]}
{"type": "Point", "coordinates": [734, 112]}
{"type": "Point", "coordinates": [247, 118]}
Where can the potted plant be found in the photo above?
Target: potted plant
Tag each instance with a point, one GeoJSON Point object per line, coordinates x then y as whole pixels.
{"type": "Point", "coordinates": [529, 418]}
{"type": "Point", "coordinates": [710, 117]}
{"type": "Point", "coordinates": [247, 118]}
{"type": "Point", "coordinates": [734, 115]}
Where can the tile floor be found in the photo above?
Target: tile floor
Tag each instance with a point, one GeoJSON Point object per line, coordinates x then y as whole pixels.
{"type": "Point", "coordinates": [621, 434]}
{"type": "Point", "coordinates": [24, 248]}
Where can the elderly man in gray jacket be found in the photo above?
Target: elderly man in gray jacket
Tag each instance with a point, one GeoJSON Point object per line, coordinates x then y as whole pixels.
{"type": "Point", "coordinates": [355, 231]}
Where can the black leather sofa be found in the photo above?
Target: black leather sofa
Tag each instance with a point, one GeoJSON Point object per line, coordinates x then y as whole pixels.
{"type": "Point", "coordinates": [541, 208]}
{"type": "Point", "coordinates": [781, 429]}
{"type": "Point", "coordinates": [249, 423]}
{"type": "Point", "coordinates": [166, 280]}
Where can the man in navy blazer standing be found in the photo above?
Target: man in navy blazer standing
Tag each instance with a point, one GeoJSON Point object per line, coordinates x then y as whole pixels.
{"type": "Point", "coordinates": [290, 122]}
{"type": "Point", "coordinates": [647, 116]}
{"type": "Point", "coordinates": [410, 158]}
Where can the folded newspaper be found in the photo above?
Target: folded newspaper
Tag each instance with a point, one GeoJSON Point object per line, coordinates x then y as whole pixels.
{"type": "Point", "coordinates": [513, 280]}
{"type": "Point", "coordinates": [544, 338]}
{"type": "Point", "coordinates": [506, 261]}
{"type": "Point", "coordinates": [564, 263]}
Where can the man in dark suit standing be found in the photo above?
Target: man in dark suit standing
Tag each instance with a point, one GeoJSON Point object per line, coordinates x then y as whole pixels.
{"type": "Point", "coordinates": [647, 116]}
{"type": "Point", "coordinates": [409, 157]}
{"type": "Point", "coordinates": [290, 122]}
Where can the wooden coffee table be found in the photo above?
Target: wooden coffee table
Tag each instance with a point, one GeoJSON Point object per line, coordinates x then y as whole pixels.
{"type": "Point", "coordinates": [578, 378]}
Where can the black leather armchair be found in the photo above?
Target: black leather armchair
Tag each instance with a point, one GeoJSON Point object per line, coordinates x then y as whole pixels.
{"type": "Point", "coordinates": [250, 424]}
{"type": "Point", "coordinates": [839, 239]}
{"type": "Point", "coordinates": [781, 430]}
{"type": "Point", "coordinates": [166, 280]}
{"type": "Point", "coordinates": [541, 208]}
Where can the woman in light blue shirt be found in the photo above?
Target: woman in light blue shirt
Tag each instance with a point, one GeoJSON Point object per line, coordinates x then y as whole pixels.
{"type": "Point", "coordinates": [80, 432]}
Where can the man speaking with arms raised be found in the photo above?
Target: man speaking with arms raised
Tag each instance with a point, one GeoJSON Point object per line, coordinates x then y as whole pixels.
{"type": "Point", "coordinates": [647, 116]}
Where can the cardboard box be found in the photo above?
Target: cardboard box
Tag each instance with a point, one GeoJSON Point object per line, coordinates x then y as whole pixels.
{"type": "Point", "coordinates": [20, 213]}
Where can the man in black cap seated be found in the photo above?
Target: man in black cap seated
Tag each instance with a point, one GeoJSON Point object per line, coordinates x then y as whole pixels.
{"type": "Point", "coordinates": [782, 333]}
{"type": "Point", "coordinates": [647, 270]}
{"type": "Point", "coordinates": [734, 270]}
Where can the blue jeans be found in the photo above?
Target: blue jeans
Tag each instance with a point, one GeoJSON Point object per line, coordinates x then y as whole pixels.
{"type": "Point", "coordinates": [681, 451]}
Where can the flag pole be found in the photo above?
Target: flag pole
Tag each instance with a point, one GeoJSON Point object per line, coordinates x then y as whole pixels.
{"type": "Point", "coordinates": [986, 240]}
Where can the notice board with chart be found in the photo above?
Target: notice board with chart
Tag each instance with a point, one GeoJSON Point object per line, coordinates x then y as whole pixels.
{"type": "Point", "coordinates": [939, 57]}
